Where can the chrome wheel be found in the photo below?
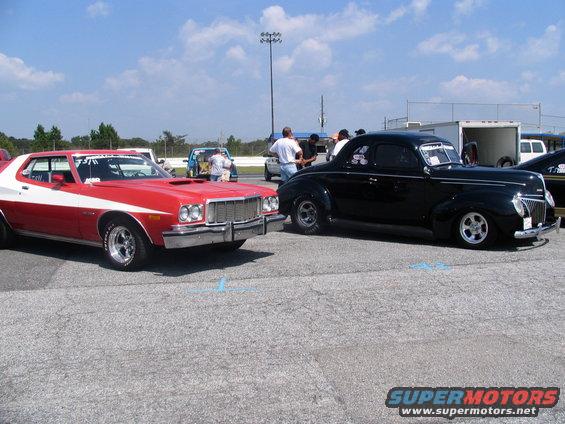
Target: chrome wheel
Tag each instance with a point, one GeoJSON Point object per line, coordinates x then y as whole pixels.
{"type": "Point", "coordinates": [307, 213]}
{"type": "Point", "coordinates": [121, 244]}
{"type": "Point", "coordinates": [473, 228]}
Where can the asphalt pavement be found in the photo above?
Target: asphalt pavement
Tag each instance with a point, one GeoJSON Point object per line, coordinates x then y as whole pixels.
{"type": "Point", "coordinates": [289, 328]}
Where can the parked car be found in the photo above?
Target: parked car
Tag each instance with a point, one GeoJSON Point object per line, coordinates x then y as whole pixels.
{"type": "Point", "coordinates": [5, 158]}
{"type": "Point", "coordinates": [199, 167]}
{"type": "Point", "coordinates": [148, 153]}
{"type": "Point", "coordinates": [127, 204]}
{"type": "Point", "coordinates": [531, 149]}
{"type": "Point", "coordinates": [416, 183]}
{"type": "Point", "coordinates": [552, 167]}
{"type": "Point", "coordinates": [272, 168]}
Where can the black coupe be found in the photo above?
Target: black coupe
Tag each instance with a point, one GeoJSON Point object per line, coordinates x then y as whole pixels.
{"type": "Point", "coordinates": [412, 182]}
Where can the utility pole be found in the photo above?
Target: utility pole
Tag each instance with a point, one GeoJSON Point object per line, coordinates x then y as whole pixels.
{"type": "Point", "coordinates": [322, 118]}
{"type": "Point", "coordinates": [270, 38]}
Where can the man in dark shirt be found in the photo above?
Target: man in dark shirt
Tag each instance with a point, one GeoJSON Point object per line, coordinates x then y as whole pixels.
{"type": "Point", "coordinates": [309, 150]}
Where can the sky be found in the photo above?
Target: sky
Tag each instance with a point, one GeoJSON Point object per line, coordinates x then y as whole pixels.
{"type": "Point", "coordinates": [197, 68]}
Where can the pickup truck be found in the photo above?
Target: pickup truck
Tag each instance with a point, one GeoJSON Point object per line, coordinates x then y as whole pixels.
{"type": "Point", "coordinates": [5, 158]}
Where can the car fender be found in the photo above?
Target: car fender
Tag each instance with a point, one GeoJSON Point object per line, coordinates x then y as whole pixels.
{"type": "Point", "coordinates": [297, 187]}
{"type": "Point", "coordinates": [496, 203]}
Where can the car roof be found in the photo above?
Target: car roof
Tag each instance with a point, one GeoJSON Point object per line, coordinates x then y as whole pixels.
{"type": "Point", "coordinates": [414, 139]}
{"type": "Point", "coordinates": [83, 152]}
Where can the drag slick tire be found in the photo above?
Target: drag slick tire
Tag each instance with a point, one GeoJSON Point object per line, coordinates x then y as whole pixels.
{"type": "Point", "coordinates": [307, 216]}
{"type": "Point", "coordinates": [475, 230]}
{"type": "Point", "coordinates": [125, 245]}
{"type": "Point", "coordinates": [6, 235]}
{"type": "Point", "coordinates": [229, 246]}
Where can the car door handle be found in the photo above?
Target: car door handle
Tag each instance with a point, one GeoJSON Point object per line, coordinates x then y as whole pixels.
{"type": "Point", "coordinates": [25, 187]}
{"type": "Point", "coordinates": [373, 180]}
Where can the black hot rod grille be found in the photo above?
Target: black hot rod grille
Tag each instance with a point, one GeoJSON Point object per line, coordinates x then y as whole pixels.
{"type": "Point", "coordinates": [239, 210]}
{"type": "Point", "coordinates": [536, 210]}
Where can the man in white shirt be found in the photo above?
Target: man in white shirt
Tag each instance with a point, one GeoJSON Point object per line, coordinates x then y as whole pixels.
{"type": "Point", "coordinates": [218, 163]}
{"type": "Point", "coordinates": [342, 139]}
{"type": "Point", "coordinates": [286, 149]}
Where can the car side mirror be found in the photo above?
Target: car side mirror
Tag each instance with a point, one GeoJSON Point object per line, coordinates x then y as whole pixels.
{"type": "Point", "coordinates": [58, 179]}
{"type": "Point", "coordinates": [427, 171]}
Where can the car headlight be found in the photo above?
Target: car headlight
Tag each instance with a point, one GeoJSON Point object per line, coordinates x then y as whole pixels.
{"type": "Point", "coordinates": [270, 203]}
{"type": "Point", "coordinates": [518, 205]}
{"type": "Point", "coordinates": [549, 199]}
{"type": "Point", "coordinates": [191, 213]}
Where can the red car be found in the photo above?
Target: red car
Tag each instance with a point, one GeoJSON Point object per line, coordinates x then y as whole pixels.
{"type": "Point", "coordinates": [127, 204]}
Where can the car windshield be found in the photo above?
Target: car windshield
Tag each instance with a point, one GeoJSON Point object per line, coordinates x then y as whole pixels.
{"type": "Point", "coordinates": [439, 154]}
{"type": "Point", "coordinates": [96, 168]}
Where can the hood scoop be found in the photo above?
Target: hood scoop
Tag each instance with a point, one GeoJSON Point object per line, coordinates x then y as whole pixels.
{"type": "Point", "coordinates": [184, 181]}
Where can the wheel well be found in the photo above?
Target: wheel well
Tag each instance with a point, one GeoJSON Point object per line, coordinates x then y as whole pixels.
{"type": "Point", "coordinates": [461, 212]}
{"type": "Point", "coordinates": [106, 217]}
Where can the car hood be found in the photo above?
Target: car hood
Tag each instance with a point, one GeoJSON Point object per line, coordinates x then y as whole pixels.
{"type": "Point", "coordinates": [523, 181]}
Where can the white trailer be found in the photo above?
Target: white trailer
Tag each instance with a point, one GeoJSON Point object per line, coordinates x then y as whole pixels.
{"type": "Point", "coordinates": [497, 142]}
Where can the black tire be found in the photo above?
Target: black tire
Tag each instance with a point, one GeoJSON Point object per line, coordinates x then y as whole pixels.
{"type": "Point", "coordinates": [475, 230]}
{"type": "Point", "coordinates": [125, 245]}
{"type": "Point", "coordinates": [505, 162]}
{"type": "Point", "coordinates": [6, 235]}
{"type": "Point", "coordinates": [308, 216]}
{"type": "Point", "coordinates": [268, 175]}
{"type": "Point", "coordinates": [228, 246]}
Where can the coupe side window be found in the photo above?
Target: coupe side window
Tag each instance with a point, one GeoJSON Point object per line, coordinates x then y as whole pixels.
{"type": "Point", "coordinates": [42, 169]}
{"type": "Point", "coordinates": [360, 156]}
{"type": "Point", "coordinates": [391, 156]}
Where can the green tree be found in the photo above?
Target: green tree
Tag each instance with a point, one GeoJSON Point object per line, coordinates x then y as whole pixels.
{"type": "Point", "coordinates": [80, 142]}
{"type": "Point", "coordinates": [40, 139]}
{"type": "Point", "coordinates": [5, 143]}
{"type": "Point", "coordinates": [106, 137]}
{"type": "Point", "coordinates": [55, 138]}
{"type": "Point", "coordinates": [233, 145]}
{"type": "Point", "coordinates": [167, 144]}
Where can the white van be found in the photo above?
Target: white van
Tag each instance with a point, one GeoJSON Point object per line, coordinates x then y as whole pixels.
{"type": "Point", "coordinates": [530, 149]}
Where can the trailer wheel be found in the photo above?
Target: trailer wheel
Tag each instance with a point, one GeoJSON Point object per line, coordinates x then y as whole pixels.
{"type": "Point", "coordinates": [505, 162]}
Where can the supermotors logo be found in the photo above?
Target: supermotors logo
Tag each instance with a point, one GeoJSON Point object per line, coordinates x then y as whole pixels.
{"type": "Point", "coordinates": [451, 402]}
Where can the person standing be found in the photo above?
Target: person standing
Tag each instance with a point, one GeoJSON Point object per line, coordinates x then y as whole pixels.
{"type": "Point", "coordinates": [342, 139]}
{"type": "Point", "coordinates": [287, 149]}
{"type": "Point", "coordinates": [218, 163]}
{"type": "Point", "coordinates": [309, 151]}
{"type": "Point", "coordinates": [360, 131]}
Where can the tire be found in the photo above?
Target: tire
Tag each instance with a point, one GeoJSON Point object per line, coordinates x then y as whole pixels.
{"type": "Point", "coordinates": [229, 246]}
{"type": "Point", "coordinates": [6, 235]}
{"type": "Point", "coordinates": [125, 245]}
{"type": "Point", "coordinates": [505, 162]}
{"type": "Point", "coordinates": [268, 175]}
{"type": "Point", "coordinates": [475, 230]}
{"type": "Point", "coordinates": [307, 216]}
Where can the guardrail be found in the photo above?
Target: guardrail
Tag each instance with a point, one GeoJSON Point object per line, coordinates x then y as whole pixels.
{"type": "Point", "coordinates": [241, 161]}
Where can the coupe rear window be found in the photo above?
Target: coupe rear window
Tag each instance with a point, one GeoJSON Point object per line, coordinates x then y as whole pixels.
{"type": "Point", "coordinates": [95, 168]}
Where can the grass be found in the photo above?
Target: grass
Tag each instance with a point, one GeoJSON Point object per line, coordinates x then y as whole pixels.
{"type": "Point", "coordinates": [241, 170]}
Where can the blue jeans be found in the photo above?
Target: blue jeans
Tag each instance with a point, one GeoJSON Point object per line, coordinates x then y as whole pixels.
{"type": "Point", "coordinates": [287, 170]}
{"type": "Point", "coordinates": [215, 177]}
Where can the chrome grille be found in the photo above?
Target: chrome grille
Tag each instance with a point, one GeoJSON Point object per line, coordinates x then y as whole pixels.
{"type": "Point", "coordinates": [237, 210]}
{"type": "Point", "coordinates": [536, 210]}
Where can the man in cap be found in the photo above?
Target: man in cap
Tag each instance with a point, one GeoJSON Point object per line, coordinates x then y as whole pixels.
{"type": "Point", "coordinates": [342, 139]}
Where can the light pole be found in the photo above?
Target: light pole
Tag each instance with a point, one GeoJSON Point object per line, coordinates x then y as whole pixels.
{"type": "Point", "coordinates": [270, 38]}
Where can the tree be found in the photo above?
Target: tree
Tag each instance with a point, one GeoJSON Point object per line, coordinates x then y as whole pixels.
{"type": "Point", "coordinates": [40, 139]}
{"type": "Point", "coordinates": [55, 138]}
{"type": "Point", "coordinates": [106, 137]}
{"type": "Point", "coordinates": [80, 142]}
{"type": "Point", "coordinates": [167, 143]}
{"type": "Point", "coordinates": [5, 143]}
{"type": "Point", "coordinates": [233, 145]}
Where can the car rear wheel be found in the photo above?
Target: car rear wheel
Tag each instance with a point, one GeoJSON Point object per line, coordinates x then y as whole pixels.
{"type": "Point", "coordinates": [307, 216]}
{"type": "Point", "coordinates": [125, 245]}
{"type": "Point", "coordinates": [475, 230]}
{"type": "Point", "coordinates": [268, 175]}
{"type": "Point", "coordinates": [228, 246]}
{"type": "Point", "coordinates": [6, 235]}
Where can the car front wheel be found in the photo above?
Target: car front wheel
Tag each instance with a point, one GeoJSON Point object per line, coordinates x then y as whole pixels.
{"type": "Point", "coordinates": [307, 216]}
{"type": "Point", "coordinates": [475, 230]}
{"type": "Point", "coordinates": [268, 175]}
{"type": "Point", "coordinates": [126, 247]}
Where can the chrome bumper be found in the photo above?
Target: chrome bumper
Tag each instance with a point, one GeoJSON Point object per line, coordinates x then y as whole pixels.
{"type": "Point", "coordinates": [189, 236]}
{"type": "Point", "coordinates": [539, 230]}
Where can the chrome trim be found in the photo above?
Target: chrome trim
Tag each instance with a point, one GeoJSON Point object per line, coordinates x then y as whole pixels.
{"type": "Point", "coordinates": [258, 197]}
{"type": "Point", "coordinates": [539, 230]}
{"type": "Point", "coordinates": [227, 199]}
{"type": "Point", "coordinates": [477, 184]}
{"type": "Point", "coordinates": [536, 209]}
{"type": "Point", "coordinates": [5, 219]}
{"type": "Point", "coordinates": [58, 238]}
{"type": "Point", "coordinates": [470, 180]}
{"type": "Point", "coordinates": [126, 213]}
{"type": "Point", "coordinates": [198, 235]}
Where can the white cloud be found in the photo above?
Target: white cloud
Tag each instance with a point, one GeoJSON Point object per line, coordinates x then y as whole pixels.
{"type": "Point", "coordinates": [14, 71]}
{"type": "Point", "coordinates": [127, 79]}
{"type": "Point", "coordinates": [477, 89]}
{"type": "Point", "coordinates": [236, 53]}
{"type": "Point", "coordinates": [545, 46]}
{"type": "Point", "coordinates": [305, 54]}
{"type": "Point", "coordinates": [559, 79]}
{"type": "Point", "coordinates": [417, 8]}
{"type": "Point", "coordinates": [492, 43]}
{"type": "Point", "coordinates": [79, 98]}
{"type": "Point", "coordinates": [451, 44]}
{"type": "Point", "coordinates": [98, 8]}
{"type": "Point", "coordinates": [467, 7]}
